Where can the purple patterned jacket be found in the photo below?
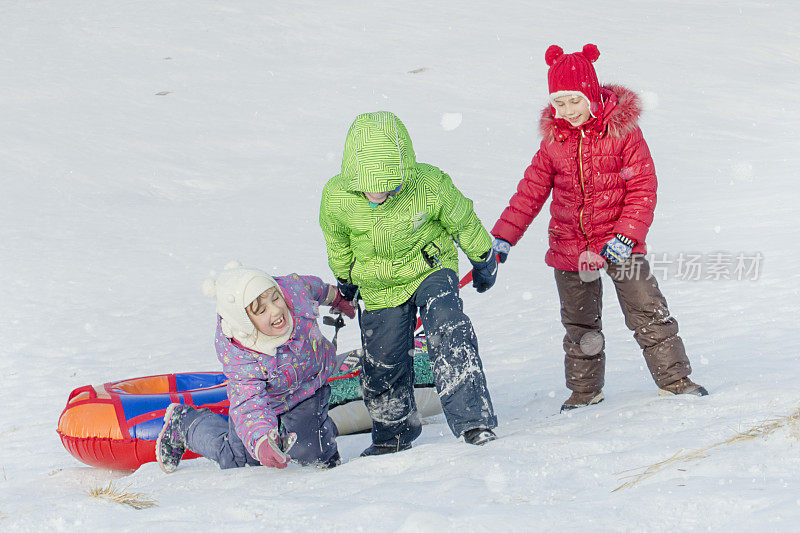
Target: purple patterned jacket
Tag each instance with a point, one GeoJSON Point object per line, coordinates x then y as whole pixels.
{"type": "Point", "coordinates": [260, 386]}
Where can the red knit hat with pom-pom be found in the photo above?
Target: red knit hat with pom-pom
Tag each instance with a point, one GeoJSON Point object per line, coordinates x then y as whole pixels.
{"type": "Point", "coordinates": [573, 74]}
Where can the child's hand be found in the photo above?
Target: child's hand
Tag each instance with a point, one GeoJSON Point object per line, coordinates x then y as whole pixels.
{"type": "Point", "coordinates": [618, 249]}
{"type": "Point", "coordinates": [340, 304]}
{"type": "Point", "coordinates": [269, 452]}
{"type": "Point", "coordinates": [484, 273]}
{"type": "Point", "coordinates": [501, 248]}
{"type": "Point", "coordinates": [347, 290]}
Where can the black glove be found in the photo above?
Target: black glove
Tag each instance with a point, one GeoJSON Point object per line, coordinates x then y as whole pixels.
{"type": "Point", "coordinates": [484, 272]}
{"type": "Point", "coordinates": [347, 290]}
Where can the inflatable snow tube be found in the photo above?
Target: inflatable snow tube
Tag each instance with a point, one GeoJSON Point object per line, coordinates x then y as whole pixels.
{"type": "Point", "coordinates": [115, 425]}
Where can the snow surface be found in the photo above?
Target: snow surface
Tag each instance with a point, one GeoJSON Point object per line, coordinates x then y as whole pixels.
{"type": "Point", "coordinates": [144, 144]}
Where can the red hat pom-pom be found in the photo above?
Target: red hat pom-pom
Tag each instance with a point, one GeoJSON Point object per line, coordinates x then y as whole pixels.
{"type": "Point", "coordinates": [591, 52]}
{"type": "Point", "coordinates": [552, 54]}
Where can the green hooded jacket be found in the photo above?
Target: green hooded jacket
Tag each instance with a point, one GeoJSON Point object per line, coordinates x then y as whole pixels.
{"type": "Point", "coordinates": [380, 248]}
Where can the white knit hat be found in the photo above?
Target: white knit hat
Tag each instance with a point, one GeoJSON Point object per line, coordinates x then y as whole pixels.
{"type": "Point", "coordinates": [235, 289]}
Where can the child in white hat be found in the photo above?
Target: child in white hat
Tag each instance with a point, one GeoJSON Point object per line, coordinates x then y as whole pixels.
{"type": "Point", "coordinates": [277, 362]}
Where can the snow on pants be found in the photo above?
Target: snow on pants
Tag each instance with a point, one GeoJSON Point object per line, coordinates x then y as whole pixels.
{"type": "Point", "coordinates": [646, 314]}
{"type": "Point", "coordinates": [210, 435]}
{"type": "Point", "coordinates": [387, 379]}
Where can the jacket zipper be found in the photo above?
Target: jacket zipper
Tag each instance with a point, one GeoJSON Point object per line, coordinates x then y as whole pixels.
{"type": "Point", "coordinates": [583, 190]}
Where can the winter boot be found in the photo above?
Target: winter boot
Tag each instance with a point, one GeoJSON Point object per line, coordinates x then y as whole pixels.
{"type": "Point", "coordinates": [171, 442]}
{"type": "Point", "coordinates": [479, 436]}
{"type": "Point", "coordinates": [683, 386]}
{"type": "Point", "coordinates": [383, 449]}
{"type": "Point", "coordinates": [334, 461]}
{"type": "Point", "coordinates": [582, 399]}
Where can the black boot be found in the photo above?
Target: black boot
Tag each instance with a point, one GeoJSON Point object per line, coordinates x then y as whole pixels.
{"type": "Point", "coordinates": [383, 449]}
{"type": "Point", "coordinates": [334, 461]}
{"type": "Point", "coordinates": [479, 436]}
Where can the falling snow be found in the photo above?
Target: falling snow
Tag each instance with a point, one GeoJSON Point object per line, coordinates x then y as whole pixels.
{"type": "Point", "coordinates": [147, 143]}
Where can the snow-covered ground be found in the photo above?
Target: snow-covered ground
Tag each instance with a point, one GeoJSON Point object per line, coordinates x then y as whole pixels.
{"type": "Point", "coordinates": [144, 144]}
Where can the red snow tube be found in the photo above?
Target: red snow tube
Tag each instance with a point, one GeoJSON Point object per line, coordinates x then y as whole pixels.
{"type": "Point", "coordinates": [115, 425]}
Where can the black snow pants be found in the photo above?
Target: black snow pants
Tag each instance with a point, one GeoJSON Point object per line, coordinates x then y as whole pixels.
{"type": "Point", "coordinates": [387, 380]}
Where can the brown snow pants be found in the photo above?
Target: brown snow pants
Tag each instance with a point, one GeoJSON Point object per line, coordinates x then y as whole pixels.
{"type": "Point", "coordinates": [646, 314]}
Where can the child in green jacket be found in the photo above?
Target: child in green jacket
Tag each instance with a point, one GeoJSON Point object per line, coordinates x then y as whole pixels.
{"type": "Point", "coordinates": [391, 226]}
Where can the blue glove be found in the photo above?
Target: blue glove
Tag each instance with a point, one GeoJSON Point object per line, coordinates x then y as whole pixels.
{"type": "Point", "coordinates": [501, 248]}
{"type": "Point", "coordinates": [347, 290]}
{"type": "Point", "coordinates": [484, 273]}
{"type": "Point", "coordinates": [618, 249]}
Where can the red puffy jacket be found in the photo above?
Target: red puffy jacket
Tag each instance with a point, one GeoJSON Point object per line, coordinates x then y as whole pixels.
{"type": "Point", "coordinates": [603, 183]}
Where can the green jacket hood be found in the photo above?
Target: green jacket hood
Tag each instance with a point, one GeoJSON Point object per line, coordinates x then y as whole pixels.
{"type": "Point", "coordinates": [378, 155]}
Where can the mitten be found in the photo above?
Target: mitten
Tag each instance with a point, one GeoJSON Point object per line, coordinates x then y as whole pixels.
{"type": "Point", "coordinates": [347, 290]}
{"type": "Point", "coordinates": [618, 249]}
{"type": "Point", "coordinates": [501, 248]}
{"type": "Point", "coordinates": [484, 272]}
{"type": "Point", "coordinates": [340, 304]}
{"type": "Point", "coordinates": [269, 451]}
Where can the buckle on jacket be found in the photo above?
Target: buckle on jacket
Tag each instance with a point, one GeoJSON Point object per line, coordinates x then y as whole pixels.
{"type": "Point", "coordinates": [431, 258]}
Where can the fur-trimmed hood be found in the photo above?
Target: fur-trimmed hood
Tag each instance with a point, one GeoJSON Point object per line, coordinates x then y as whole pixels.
{"type": "Point", "coordinates": [621, 111]}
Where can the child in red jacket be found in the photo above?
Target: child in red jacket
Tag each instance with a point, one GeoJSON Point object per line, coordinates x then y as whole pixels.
{"type": "Point", "coordinates": [595, 160]}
